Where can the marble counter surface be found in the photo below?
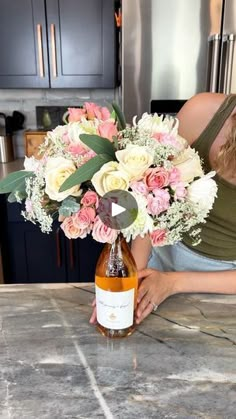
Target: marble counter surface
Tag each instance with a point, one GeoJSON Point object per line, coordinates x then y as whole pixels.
{"type": "Point", "coordinates": [180, 362]}
{"type": "Point", "coordinates": [13, 166]}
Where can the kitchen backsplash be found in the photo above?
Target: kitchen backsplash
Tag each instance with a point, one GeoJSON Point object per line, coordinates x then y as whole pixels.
{"type": "Point", "coordinates": [26, 101]}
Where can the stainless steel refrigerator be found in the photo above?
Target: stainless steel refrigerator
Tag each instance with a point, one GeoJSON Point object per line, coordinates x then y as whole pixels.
{"type": "Point", "coordinates": [172, 49]}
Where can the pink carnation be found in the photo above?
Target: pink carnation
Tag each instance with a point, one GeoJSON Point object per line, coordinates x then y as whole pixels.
{"type": "Point", "coordinates": [139, 187]}
{"type": "Point", "coordinates": [72, 228]}
{"type": "Point", "coordinates": [174, 175]}
{"type": "Point", "coordinates": [158, 237]}
{"type": "Point", "coordinates": [156, 178]}
{"type": "Point", "coordinates": [103, 233]}
{"type": "Point", "coordinates": [88, 156]}
{"type": "Point", "coordinates": [159, 202]}
{"type": "Point", "coordinates": [166, 139]}
{"type": "Point", "coordinates": [77, 149]}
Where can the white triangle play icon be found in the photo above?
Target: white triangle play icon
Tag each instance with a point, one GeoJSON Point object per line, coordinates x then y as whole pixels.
{"type": "Point", "coordinates": [116, 209]}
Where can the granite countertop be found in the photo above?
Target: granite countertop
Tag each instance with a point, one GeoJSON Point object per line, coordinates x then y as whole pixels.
{"type": "Point", "coordinates": [6, 168]}
{"type": "Point", "coordinates": [179, 363]}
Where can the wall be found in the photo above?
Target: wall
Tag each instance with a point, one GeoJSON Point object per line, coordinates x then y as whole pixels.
{"type": "Point", "coordinates": [25, 101]}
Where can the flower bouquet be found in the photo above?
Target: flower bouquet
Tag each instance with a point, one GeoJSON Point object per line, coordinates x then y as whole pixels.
{"type": "Point", "coordinates": [96, 152]}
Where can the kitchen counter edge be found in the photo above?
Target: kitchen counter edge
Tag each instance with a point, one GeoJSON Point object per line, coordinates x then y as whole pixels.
{"type": "Point", "coordinates": [13, 166]}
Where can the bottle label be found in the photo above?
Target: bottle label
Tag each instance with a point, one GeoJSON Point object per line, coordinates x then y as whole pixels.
{"type": "Point", "coordinates": [115, 310]}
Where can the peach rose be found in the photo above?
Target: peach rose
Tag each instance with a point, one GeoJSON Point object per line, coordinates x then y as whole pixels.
{"type": "Point", "coordinates": [103, 233]}
{"type": "Point", "coordinates": [72, 228]}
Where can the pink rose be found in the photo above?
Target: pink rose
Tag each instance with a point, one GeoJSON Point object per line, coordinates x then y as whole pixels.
{"type": "Point", "coordinates": [90, 198]}
{"type": "Point", "coordinates": [156, 178]}
{"type": "Point", "coordinates": [159, 202]}
{"type": "Point", "coordinates": [139, 187]}
{"type": "Point", "coordinates": [95, 111]}
{"type": "Point", "coordinates": [107, 129]}
{"type": "Point", "coordinates": [85, 217]}
{"type": "Point", "coordinates": [174, 175]}
{"type": "Point", "coordinates": [72, 229]}
{"type": "Point", "coordinates": [75, 114]}
{"type": "Point", "coordinates": [158, 237]}
{"type": "Point", "coordinates": [180, 191]}
{"type": "Point", "coordinates": [102, 113]}
{"type": "Point", "coordinates": [103, 233]}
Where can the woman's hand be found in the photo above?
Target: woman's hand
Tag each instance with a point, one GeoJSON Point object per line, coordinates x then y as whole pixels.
{"type": "Point", "coordinates": [154, 288]}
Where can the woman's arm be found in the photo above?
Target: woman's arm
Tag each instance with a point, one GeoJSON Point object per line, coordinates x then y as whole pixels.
{"type": "Point", "coordinates": [141, 248]}
{"type": "Point", "coordinates": [156, 286]}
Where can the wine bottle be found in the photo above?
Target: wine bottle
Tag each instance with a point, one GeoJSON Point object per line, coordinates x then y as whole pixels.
{"type": "Point", "coordinates": [116, 283]}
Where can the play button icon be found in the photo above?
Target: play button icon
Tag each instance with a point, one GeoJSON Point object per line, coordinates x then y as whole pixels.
{"type": "Point", "coordinates": [118, 209]}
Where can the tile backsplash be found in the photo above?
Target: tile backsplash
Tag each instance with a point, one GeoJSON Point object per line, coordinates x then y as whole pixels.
{"type": "Point", "coordinates": [26, 100]}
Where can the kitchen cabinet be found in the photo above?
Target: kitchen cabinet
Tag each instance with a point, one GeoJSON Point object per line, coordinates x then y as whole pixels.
{"type": "Point", "coordinates": [30, 256]}
{"type": "Point", "coordinates": [57, 44]}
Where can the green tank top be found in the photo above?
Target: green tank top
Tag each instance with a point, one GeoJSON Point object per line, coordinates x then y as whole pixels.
{"type": "Point", "coordinates": [218, 235]}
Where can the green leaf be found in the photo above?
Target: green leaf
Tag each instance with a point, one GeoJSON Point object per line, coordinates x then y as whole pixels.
{"type": "Point", "coordinates": [21, 192]}
{"type": "Point", "coordinates": [85, 172]}
{"type": "Point", "coordinates": [98, 144]}
{"type": "Point", "coordinates": [120, 116]}
{"type": "Point", "coordinates": [13, 180]}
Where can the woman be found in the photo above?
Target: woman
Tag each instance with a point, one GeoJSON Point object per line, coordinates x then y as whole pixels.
{"type": "Point", "coordinates": [208, 122]}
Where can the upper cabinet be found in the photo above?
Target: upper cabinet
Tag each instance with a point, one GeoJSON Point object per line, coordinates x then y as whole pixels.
{"type": "Point", "coordinates": [57, 44]}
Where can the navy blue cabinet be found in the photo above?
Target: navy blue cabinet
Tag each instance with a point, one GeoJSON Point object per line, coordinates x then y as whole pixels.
{"type": "Point", "coordinates": [58, 44]}
{"type": "Point", "coordinates": [30, 256]}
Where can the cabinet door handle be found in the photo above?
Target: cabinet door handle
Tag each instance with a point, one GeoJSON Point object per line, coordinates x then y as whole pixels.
{"type": "Point", "coordinates": [71, 252]}
{"type": "Point", "coordinates": [58, 247]}
{"type": "Point", "coordinates": [40, 50]}
{"type": "Point", "coordinates": [53, 46]}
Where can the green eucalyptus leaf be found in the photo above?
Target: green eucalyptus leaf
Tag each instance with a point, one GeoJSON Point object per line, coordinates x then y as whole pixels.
{"type": "Point", "coordinates": [85, 172]}
{"type": "Point", "coordinates": [98, 144]}
{"type": "Point", "coordinates": [120, 116]}
{"type": "Point", "coordinates": [69, 206]}
{"type": "Point", "coordinates": [19, 193]}
{"type": "Point", "coordinates": [12, 181]}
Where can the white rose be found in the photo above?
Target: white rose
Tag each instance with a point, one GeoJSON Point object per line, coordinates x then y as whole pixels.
{"type": "Point", "coordinates": [135, 160]}
{"type": "Point", "coordinates": [203, 192]}
{"type": "Point", "coordinates": [189, 164]}
{"type": "Point", "coordinates": [77, 128]}
{"type": "Point", "coordinates": [57, 170]}
{"type": "Point", "coordinates": [110, 177]}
